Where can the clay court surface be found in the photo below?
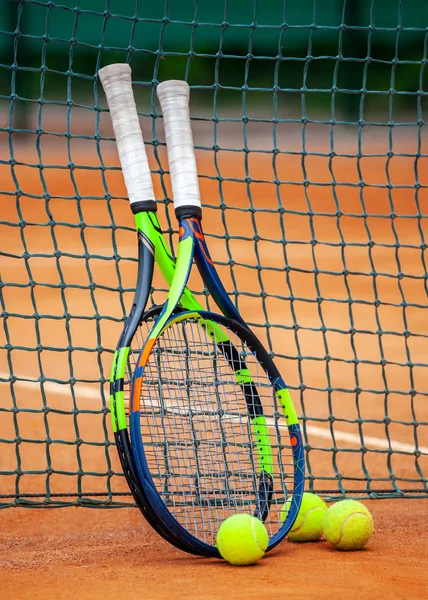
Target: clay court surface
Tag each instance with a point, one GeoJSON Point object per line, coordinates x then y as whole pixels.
{"type": "Point", "coordinates": [97, 554]}
{"type": "Point", "coordinates": [93, 553]}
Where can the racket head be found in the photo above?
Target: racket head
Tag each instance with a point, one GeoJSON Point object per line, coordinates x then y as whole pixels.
{"type": "Point", "coordinates": [201, 448]}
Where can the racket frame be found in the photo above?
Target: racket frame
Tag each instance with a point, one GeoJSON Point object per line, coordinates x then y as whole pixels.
{"type": "Point", "coordinates": [117, 83]}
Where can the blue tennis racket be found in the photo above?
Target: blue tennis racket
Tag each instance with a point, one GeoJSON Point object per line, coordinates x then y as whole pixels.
{"type": "Point", "coordinates": [214, 431]}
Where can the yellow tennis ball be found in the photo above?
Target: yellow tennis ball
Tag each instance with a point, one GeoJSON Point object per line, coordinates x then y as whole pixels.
{"type": "Point", "coordinates": [348, 525]}
{"type": "Point", "coordinates": [308, 525]}
{"type": "Point", "coordinates": [242, 539]}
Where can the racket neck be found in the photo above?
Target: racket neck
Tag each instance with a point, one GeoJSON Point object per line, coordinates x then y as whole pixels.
{"type": "Point", "coordinates": [180, 277]}
{"type": "Point", "coordinates": [209, 274]}
{"type": "Point", "coordinates": [145, 222]}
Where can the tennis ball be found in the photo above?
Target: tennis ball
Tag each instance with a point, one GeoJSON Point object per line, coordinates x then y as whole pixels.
{"type": "Point", "coordinates": [242, 539]}
{"type": "Point", "coordinates": [308, 525]}
{"type": "Point", "coordinates": [348, 525]}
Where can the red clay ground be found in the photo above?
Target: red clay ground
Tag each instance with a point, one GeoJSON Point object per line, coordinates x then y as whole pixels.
{"type": "Point", "coordinates": [97, 554]}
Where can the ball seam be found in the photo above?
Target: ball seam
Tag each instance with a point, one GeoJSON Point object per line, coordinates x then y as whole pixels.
{"type": "Point", "coordinates": [254, 534]}
{"type": "Point", "coordinates": [344, 523]}
{"type": "Point", "coordinates": [295, 529]}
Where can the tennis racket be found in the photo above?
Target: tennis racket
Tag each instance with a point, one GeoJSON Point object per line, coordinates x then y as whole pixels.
{"type": "Point", "coordinates": [116, 81]}
{"type": "Point", "coordinates": [152, 247]}
{"type": "Point", "coordinates": [213, 426]}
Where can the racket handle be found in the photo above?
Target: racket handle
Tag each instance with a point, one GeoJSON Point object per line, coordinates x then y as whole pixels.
{"type": "Point", "coordinates": [174, 100]}
{"type": "Point", "coordinates": [117, 84]}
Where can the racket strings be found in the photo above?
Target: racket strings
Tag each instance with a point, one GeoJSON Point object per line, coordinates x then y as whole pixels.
{"type": "Point", "coordinates": [198, 430]}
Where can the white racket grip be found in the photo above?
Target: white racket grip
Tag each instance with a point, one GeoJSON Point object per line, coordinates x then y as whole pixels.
{"type": "Point", "coordinates": [174, 100]}
{"type": "Point", "coordinates": [117, 84]}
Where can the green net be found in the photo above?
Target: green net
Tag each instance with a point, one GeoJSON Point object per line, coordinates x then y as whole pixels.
{"type": "Point", "coordinates": [312, 152]}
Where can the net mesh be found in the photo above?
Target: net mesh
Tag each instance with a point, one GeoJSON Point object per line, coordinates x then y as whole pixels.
{"type": "Point", "coordinates": [309, 125]}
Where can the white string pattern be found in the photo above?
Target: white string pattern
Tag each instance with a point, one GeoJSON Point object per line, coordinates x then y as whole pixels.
{"type": "Point", "coordinates": [197, 432]}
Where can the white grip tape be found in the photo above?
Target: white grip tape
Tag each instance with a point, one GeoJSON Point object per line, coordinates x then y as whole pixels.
{"type": "Point", "coordinates": [117, 84]}
{"type": "Point", "coordinates": [174, 100]}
